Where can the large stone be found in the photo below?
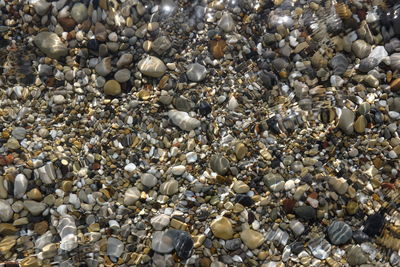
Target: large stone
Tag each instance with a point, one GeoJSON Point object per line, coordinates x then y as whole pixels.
{"type": "Point", "coordinates": [222, 228]}
{"type": "Point", "coordinates": [41, 7]}
{"type": "Point", "coordinates": [226, 22]}
{"type": "Point", "coordinates": [346, 121]}
{"type": "Point", "coordinates": [252, 239]}
{"type": "Point", "coordinates": [115, 247]}
{"type": "Point", "coordinates": [51, 45]}
{"type": "Point", "coordinates": [162, 242]}
{"type": "Point", "coordinates": [152, 66]}
{"type": "Point", "coordinates": [34, 207]}
{"type": "Point", "coordinates": [339, 233]}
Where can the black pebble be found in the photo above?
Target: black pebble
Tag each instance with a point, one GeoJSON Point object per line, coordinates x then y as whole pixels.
{"type": "Point", "coordinates": [245, 200]}
{"type": "Point", "coordinates": [374, 224]}
{"type": "Point", "coordinates": [204, 108]}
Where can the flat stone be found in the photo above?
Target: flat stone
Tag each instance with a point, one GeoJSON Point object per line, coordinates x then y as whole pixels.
{"type": "Point", "coordinates": [49, 251]}
{"type": "Point", "coordinates": [34, 207]}
{"type": "Point", "coordinates": [361, 48]}
{"type": "Point", "coordinates": [233, 244]}
{"type": "Point", "coordinates": [79, 12]}
{"type": "Point", "coordinates": [183, 243]}
{"type": "Point", "coordinates": [6, 213]}
{"type": "Point", "coordinates": [112, 88]}
{"type": "Point", "coordinates": [124, 60]}
{"type": "Point", "coordinates": [297, 227]}
{"type": "Point", "coordinates": [41, 7]}
{"type": "Point", "coordinates": [339, 233]}
{"type": "Point", "coordinates": [152, 66]}
{"type": "Point", "coordinates": [169, 187]}
{"type": "Point", "coordinates": [7, 229]}
{"type": "Point", "coordinates": [7, 243]}
{"type": "Point", "coordinates": [219, 164]}
{"type": "Point", "coordinates": [196, 72]}
{"type": "Point", "coordinates": [161, 45]}
{"type": "Point", "coordinates": [148, 180]}
{"type": "Point", "coordinates": [306, 213]}
{"type": "Point", "coordinates": [183, 120]}
{"type": "Point", "coordinates": [159, 222]}
{"type": "Point", "coordinates": [360, 124]}
{"type": "Point", "coordinates": [30, 262]}
{"type": "Point", "coordinates": [131, 196]}
{"type": "Point", "coordinates": [240, 187]}
{"type": "Point", "coordinates": [50, 44]}
{"type": "Point", "coordinates": [115, 247]}
{"type": "Point", "coordinates": [178, 170]}
{"type": "Point", "coordinates": [222, 228]}
{"type": "Point", "coordinates": [252, 239]}
{"type": "Point", "coordinates": [241, 151]}
{"type": "Point", "coordinates": [20, 185]}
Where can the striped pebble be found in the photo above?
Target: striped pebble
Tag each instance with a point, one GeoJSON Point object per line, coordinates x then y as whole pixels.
{"type": "Point", "coordinates": [339, 233]}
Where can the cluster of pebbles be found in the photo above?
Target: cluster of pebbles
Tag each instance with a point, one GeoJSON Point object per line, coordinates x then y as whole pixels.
{"type": "Point", "coordinates": [200, 133]}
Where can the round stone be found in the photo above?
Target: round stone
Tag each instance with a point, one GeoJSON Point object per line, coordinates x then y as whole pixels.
{"type": "Point", "coordinates": [274, 181]}
{"type": "Point", "coordinates": [79, 12]}
{"type": "Point", "coordinates": [219, 164]}
{"type": "Point", "coordinates": [162, 242]}
{"type": "Point", "coordinates": [20, 185]}
{"type": "Point", "coordinates": [131, 196]}
{"type": "Point", "coordinates": [160, 222]}
{"type": "Point", "coordinates": [112, 88]}
{"type": "Point", "coordinates": [6, 213]}
{"type": "Point", "coordinates": [196, 72]}
{"type": "Point", "coordinates": [122, 75]}
{"type": "Point", "coordinates": [240, 187]}
{"type": "Point", "coordinates": [169, 187]}
{"type": "Point", "coordinates": [252, 239]}
{"type": "Point", "coordinates": [152, 66]}
{"type": "Point", "coordinates": [115, 247]}
{"type": "Point", "coordinates": [339, 233]}
{"type": "Point", "coordinates": [226, 22]}
{"type": "Point", "coordinates": [148, 180]}
{"type": "Point", "coordinates": [18, 133]}
{"type": "Point", "coordinates": [222, 228]}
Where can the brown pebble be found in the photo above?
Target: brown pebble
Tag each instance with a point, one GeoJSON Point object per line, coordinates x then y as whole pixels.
{"type": "Point", "coordinates": [68, 24]}
{"type": "Point", "coordinates": [217, 48]}
{"type": "Point", "coordinates": [41, 227]}
{"type": "Point", "coordinates": [395, 85]}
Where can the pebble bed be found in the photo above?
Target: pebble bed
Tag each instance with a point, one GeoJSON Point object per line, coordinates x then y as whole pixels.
{"type": "Point", "coordinates": [199, 133]}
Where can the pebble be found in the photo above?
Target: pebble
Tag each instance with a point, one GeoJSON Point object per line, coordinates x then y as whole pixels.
{"type": "Point", "coordinates": [79, 12]}
{"type": "Point", "coordinates": [355, 256]}
{"type": "Point", "coordinates": [124, 60]}
{"type": "Point", "coordinates": [131, 196]}
{"type": "Point", "coordinates": [160, 222]}
{"type": "Point", "coordinates": [122, 76]}
{"type": "Point", "coordinates": [20, 185]}
{"type": "Point", "coordinates": [252, 239]}
{"type": "Point", "coordinates": [6, 213]}
{"type": "Point", "coordinates": [50, 44]}
{"type": "Point", "coordinates": [18, 133]}
{"type": "Point", "coordinates": [360, 124]}
{"type": "Point", "coordinates": [222, 228]}
{"type": "Point", "coordinates": [340, 185]}
{"type": "Point", "coordinates": [41, 7]}
{"type": "Point", "coordinates": [196, 72]}
{"type": "Point", "coordinates": [112, 88]}
{"type": "Point", "coordinates": [320, 248]}
{"type": "Point", "coordinates": [104, 67]}
{"type": "Point", "coordinates": [115, 247]}
{"type": "Point", "coordinates": [183, 243]}
{"type": "Point", "coordinates": [152, 67]}
{"type": "Point", "coordinates": [226, 22]}
{"type": "Point", "coordinates": [178, 170]}
{"type": "Point", "coordinates": [219, 164]}
{"type": "Point", "coordinates": [34, 207]}
{"type": "Point", "coordinates": [297, 227]}
{"type": "Point", "coordinates": [240, 187]}
{"type": "Point", "coordinates": [346, 121]}
{"type": "Point", "coordinates": [169, 187]}
{"type": "Point", "coordinates": [274, 181]}
{"type": "Point", "coordinates": [339, 233]}
{"type": "Point", "coordinates": [233, 244]}
{"type": "Point", "coordinates": [161, 45]}
{"type": "Point", "coordinates": [306, 213]}
{"type": "Point", "coordinates": [162, 242]}
{"type": "Point", "coordinates": [183, 120]}
{"type": "Point", "coordinates": [361, 49]}
{"type": "Point", "coordinates": [148, 180]}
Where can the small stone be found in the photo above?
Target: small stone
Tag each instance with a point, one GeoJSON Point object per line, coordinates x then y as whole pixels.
{"type": "Point", "coordinates": [222, 228]}
{"type": "Point", "coordinates": [361, 48]}
{"type": "Point", "coordinates": [115, 247]}
{"type": "Point", "coordinates": [183, 243]}
{"type": "Point", "coordinates": [122, 75]}
{"type": "Point", "coordinates": [7, 243]}
{"type": "Point", "coordinates": [7, 229]}
{"type": "Point", "coordinates": [191, 157]}
{"type": "Point", "coordinates": [306, 213]}
{"type": "Point", "coordinates": [18, 133]}
{"type": "Point", "coordinates": [252, 239]}
{"type": "Point", "coordinates": [20, 185]}
{"type": "Point", "coordinates": [130, 167]}
{"type": "Point", "coordinates": [79, 12]}
{"type": "Point", "coordinates": [217, 48]}
{"type": "Point", "coordinates": [356, 256]}
{"type": "Point", "coordinates": [240, 187]}
{"type": "Point", "coordinates": [367, 64]}
{"type": "Point", "coordinates": [395, 85]}
{"type": "Point", "coordinates": [274, 181]}
{"type": "Point", "coordinates": [6, 213]}
{"type": "Point", "coordinates": [50, 44]}
{"type": "Point", "coordinates": [148, 180]}
{"type": "Point", "coordinates": [320, 248]}
{"type": "Point", "coordinates": [352, 207]}
{"type": "Point", "coordinates": [152, 66]}
{"type": "Point", "coordinates": [346, 121]}
{"type": "Point", "coordinates": [204, 108]}
{"type": "Point", "coordinates": [124, 61]}
{"type": "Point", "coordinates": [162, 242]}
{"type": "Point", "coordinates": [30, 262]}
{"type": "Point", "coordinates": [161, 45]}
{"type": "Point", "coordinates": [112, 88]}
{"type": "Point", "coordinates": [297, 227]}
{"type": "Point", "coordinates": [41, 7]}
{"type": "Point", "coordinates": [360, 124]}
{"type": "Point", "coordinates": [131, 196]}
{"type": "Point", "coordinates": [339, 233]}
{"type": "Point", "coordinates": [41, 227]}
{"type": "Point", "coordinates": [178, 170]}
{"type": "Point", "coordinates": [169, 187]}
{"type": "Point", "coordinates": [160, 222]}
{"type": "Point", "coordinates": [241, 151]}
{"type": "Point", "coordinates": [233, 244]}
{"type": "Point", "coordinates": [339, 63]}
{"type": "Point", "coordinates": [68, 24]}
{"type": "Point", "coordinates": [34, 194]}
{"type": "Point", "coordinates": [183, 120]}
{"type": "Point", "coordinates": [219, 164]}
{"type": "Point", "coordinates": [34, 207]}
{"type": "Point", "coordinates": [49, 251]}
{"type": "Point", "coordinates": [104, 68]}
{"type": "Point", "coordinates": [58, 99]}
{"type": "Point", "coordinates": [340, 185]}
{"type": "Point", "coordinates": [226, 22]}
{"type": "Point", "coordinates": [196, 72]}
